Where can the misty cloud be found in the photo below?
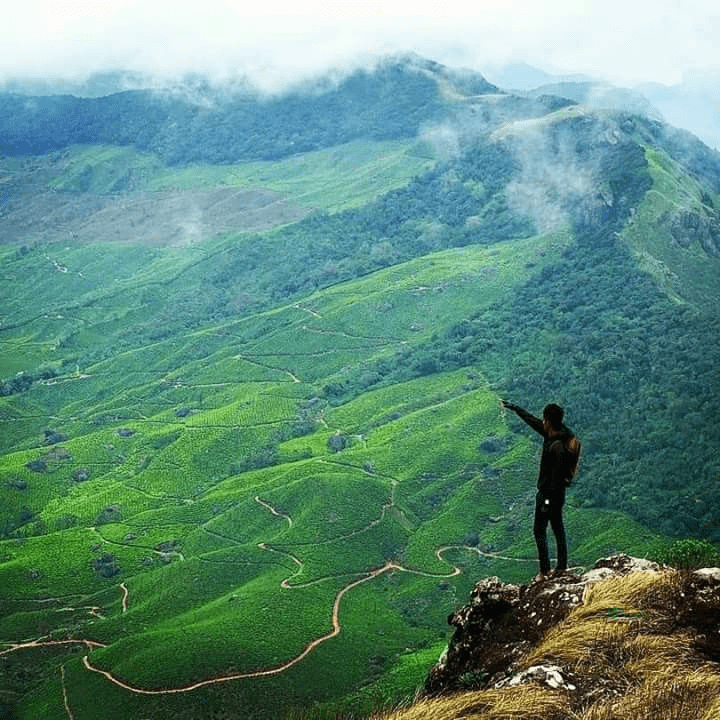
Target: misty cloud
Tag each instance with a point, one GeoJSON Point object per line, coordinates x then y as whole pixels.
{"type": "Point", "coordinates": [444, 139]}
{"type": "Point", "coordinates": [556, 178]}
{"type": "Point", "coordinates": [279, 42]}
{"type": "Point", "coordinates": [275, 46]}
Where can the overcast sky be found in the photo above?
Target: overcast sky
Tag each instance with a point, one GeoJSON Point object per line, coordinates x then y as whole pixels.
{"type": "Point", "coordinates": [624, 41]}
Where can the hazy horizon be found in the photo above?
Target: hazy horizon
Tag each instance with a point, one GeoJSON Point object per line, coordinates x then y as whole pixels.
{"type": "Point", "coordinates": [622, 43]}
{"type": "Point", "coordinates": [61, 42]}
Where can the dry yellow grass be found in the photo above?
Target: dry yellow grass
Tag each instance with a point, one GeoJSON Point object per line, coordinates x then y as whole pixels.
{"type": "Point", "coordinates": [623, 593]}
{"type": "Point", "coordinates": [609, 616]}
{"type": "Point", "coordinates": [529, 702]}
{"type": "Point", "coordinates": [713, 710]}
{"type": "Point", "coordinates": [683, 697]}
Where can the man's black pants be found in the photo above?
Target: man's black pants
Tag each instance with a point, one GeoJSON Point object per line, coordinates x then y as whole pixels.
{"type": "Point", "coordinates": [549, 510]}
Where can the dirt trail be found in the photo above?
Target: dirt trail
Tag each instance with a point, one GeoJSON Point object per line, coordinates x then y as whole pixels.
{"type": "Point", "coordinates": [66, 702]}
{"type": "Point", "coordinates": [378, 340]}
{"type": "Point", "coordinates": [336, 628]}
{"type": "Point", "coordinates": [389, 566]}
{"type": "Point", "coordinates": [42, 642]}
{"type": "Point", "coordinates": [482, 553]}
{"type": "Point", "coordinates": [275, 512]}
{"type": "Point", "coordinates": [253, 361]}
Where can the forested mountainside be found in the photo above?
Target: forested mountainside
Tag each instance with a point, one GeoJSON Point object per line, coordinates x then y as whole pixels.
{"type": "Point", "coordinates": [202, 125]}
{"type": "Point", "coordinates": [253, 354]}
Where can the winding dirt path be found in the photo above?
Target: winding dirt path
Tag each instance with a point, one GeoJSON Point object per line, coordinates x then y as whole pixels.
{"type": "Point", "coordinates": [126, 592]}
{"type": "Point", "coordinates": [275, 512]}
{"type": "Point", "coordinates": [336, 628]}
{"type": "Point", "coordinates": [253, 361]}
{"type": "Point", "coordinates": [66, 702]}
{"type": "Point", "coordinates": [41, 642]}
{"type": "Point", "coordinates": [482, 553]}
{"type": "Point", "coordinates": [389, 566]}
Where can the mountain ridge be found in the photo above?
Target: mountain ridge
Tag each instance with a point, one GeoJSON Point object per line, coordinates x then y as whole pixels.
{"type": "Point", "coordinates": [690, 104]}
{"type": "Point", "coordinates": [388, 103]}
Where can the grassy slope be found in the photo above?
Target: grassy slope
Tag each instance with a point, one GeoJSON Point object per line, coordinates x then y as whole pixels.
{"type": "Point", "coordinates": [211, 480]}
{"type": "Point", "coordinates": [184, 500]}
{"type": "Point", "coordinates": [185, 528]}
{"type": "Point", "coordinates": [333, 179]}
{"type": "Point", "coordinates": [686, 274]}
{"type": "Point", "coordinates": [65, 295]}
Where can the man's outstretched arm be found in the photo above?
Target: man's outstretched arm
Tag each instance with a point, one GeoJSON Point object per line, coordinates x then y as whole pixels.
{"type": "Point", "coordinates": [535, 423]}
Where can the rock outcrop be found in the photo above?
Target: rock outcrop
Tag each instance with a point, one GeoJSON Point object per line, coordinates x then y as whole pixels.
{"type": "Point", "coordinates": [502, 622]}
{"type": "Point", "coordinates": [624, 630]}
{"type": "Point", "coordinates": [688, 226]}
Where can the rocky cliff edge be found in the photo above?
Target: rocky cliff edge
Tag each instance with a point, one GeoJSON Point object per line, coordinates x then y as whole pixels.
{"type": "Point", "coordinates": [627, 640]}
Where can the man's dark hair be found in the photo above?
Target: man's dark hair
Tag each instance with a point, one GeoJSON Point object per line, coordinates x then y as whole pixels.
{"type": "Point", "coordinates": [554, 413]}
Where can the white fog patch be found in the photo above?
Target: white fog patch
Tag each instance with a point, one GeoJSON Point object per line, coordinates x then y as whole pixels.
{"type": "Point", "coordinates": [547, 183]}
{"type": "Point", "coordinates": [444, 139]}
{"type": "Point", "coordinates": [552, 176]}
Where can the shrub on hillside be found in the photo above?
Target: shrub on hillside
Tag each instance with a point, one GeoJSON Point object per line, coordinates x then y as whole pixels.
{"type": "Point", "coordinates": [689, 554]}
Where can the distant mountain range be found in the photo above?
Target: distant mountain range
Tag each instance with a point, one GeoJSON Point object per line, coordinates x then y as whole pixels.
{"type": "Point", "coordinates": [693, 104]}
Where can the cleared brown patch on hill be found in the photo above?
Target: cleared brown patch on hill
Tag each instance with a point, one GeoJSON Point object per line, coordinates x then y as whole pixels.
{"type": "Point", "coordinates": [170, 217]}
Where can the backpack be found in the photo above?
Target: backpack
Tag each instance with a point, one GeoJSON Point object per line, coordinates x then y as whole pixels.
{"type": "Point", "coordinates": [572, 458]}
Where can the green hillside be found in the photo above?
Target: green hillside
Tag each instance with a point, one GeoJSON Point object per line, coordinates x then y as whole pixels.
{"type": "Point", "coordinates": [250, 411]}
{"type": "Point", "coordinates": [181, 506]}
{"type": "Point", "coordinates": [333, 178]}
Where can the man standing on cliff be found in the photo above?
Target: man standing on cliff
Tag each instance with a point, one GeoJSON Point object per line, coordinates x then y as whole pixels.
{"type": "Point", "coordinates": [561, 451]}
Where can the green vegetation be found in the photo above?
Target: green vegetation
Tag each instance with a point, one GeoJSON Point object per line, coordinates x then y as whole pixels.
{"type": "Point", "coordinates": [183, 527]}
{"type": "Point", "coordinates": [209, 446]}
{"type": "Point", "coordinates": [191, 441]}
{"type": "Point", "coordinates": [598, 332]}
{"type": "Point", "coordinates": [664, 244]}
{"type": "Point", "coordinates": [392, 102]}
{"type": "Point", "coordinates": [688, 554]}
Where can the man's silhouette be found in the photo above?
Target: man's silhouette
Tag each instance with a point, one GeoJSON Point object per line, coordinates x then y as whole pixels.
{"type": "Point", "coordinates": [561, 450]}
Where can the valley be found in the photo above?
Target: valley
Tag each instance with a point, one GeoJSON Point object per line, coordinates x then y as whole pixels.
{"type": "Point", "coordinates": [253, 446]}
